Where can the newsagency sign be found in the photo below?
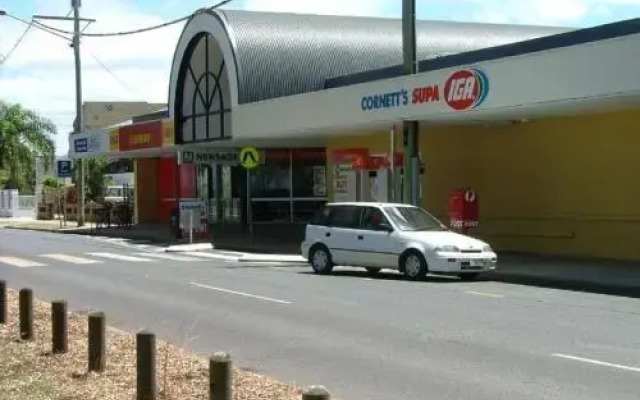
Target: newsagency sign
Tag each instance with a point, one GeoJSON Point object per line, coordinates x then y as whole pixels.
{"type": "Point", "coordinates": [209, 156]}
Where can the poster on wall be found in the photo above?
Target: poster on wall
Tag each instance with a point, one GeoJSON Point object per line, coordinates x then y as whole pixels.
{"type": "Point", "coordinates": [379, 186]}
{"type": "Point", "coordinates": [319, 181]}
{"type": "Point", "coordinates": [344, 183]}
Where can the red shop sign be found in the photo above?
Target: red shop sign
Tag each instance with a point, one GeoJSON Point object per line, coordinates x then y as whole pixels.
{"type": "Point", "coordinates": [146, 135]}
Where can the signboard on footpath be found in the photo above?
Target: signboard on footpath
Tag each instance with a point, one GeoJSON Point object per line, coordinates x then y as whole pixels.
{"type": "Point", "coordinates": [193, 218]}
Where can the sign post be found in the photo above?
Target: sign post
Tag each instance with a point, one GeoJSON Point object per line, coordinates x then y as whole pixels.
{"type": "Point", "coordinates": [249, 159]}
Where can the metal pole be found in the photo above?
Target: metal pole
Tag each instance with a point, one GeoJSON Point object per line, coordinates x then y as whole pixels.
{"type": "Point", "coordinates": [79, 122]}
{"type": "Point", "coordinates": [190, 226]}
{"type": "Point", "coordinates": [392, 164]}
{"type": "Point", "coordinates": [411, 178]}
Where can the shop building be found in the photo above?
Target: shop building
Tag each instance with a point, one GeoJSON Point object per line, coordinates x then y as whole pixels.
{"type": "Point", "coordinates": [539, 121]}
{"type": "Point", "coordinates": [226, 60]}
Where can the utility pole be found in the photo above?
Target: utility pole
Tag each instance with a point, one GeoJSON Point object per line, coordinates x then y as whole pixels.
{"type": "Point", "coordinates": [411, 176]}
{"type": "Point", "coordinates": [79, 123]}
{"type": "Point", "coordinates": [79, 120]}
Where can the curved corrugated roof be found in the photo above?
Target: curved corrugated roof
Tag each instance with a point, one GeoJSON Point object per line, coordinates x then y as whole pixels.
{"type": "Point", "coordinates": [280, 54]}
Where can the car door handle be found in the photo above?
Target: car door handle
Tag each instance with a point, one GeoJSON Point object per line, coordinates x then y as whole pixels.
{"type": "Point", "coordinates": [360, 237]}
{"type": "Point", "coordinates": [327, 234]}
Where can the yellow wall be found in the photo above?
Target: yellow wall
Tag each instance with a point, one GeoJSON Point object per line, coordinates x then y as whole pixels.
{"type": "Point", "coordinates": [560, 185]}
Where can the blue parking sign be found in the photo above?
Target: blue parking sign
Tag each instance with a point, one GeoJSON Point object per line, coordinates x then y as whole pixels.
{"type": "Point", "coordinates": [64, 169]}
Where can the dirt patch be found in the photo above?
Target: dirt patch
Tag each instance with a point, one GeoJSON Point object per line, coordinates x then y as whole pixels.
{"type": "Point", "coordinates": [28, 370]}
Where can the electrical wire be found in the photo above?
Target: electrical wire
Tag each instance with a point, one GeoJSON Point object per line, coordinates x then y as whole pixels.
{"type": "Point", "coordinates": [46, 29]}
{"type": "Point", "coordinates": [136, 31]}
{"type": "Point", "coordinates": [113, 75]}
{"type": "Point", "coordinates": [4, 58]}
{"type": "Point", "coordinates": [35, 24]}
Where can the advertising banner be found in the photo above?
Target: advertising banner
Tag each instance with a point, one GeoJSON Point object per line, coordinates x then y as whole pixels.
{"type": "Point", "coordinates": [168, 133]}
{"type": "Point", "coordinates": [146, 135]}
{"type": "Point", "coordinates": [89, 144]}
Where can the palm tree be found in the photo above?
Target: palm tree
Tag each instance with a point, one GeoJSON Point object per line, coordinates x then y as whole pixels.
{"type": "Point", "coordinates": [23, 135]}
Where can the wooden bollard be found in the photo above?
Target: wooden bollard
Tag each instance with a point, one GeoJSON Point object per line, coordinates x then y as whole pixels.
{"type": "Point", "coordinates": [59, 324]}
{"type": "Point", "coordinates": [220, 385]}
{"type": "Point", "coordinates": [97, 348]}
{"type": "Point", "coordinates": [316, 393]}
{"type": "Point", "coordinates": [146, 366]}
{"type": "Point", "coordinates": [3, 302]}
{"type": "Point", "coordinates": [25, 300]}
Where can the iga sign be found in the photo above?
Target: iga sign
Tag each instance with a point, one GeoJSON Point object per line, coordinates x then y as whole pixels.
{"type": "Point", "coordinates": [464, 89]}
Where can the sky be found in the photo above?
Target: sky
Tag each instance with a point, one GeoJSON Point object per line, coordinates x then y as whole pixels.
{"type": "Point", "coordinates": [39, 72]}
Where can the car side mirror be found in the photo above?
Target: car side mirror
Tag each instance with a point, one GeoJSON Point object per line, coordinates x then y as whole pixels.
{"type": "Point", "coordinates": [386, 227]}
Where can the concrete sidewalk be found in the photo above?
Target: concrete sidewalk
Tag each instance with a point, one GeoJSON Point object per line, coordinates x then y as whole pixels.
{"type": "Point", "coordinates": [621, 278]}
{"type": "Point", "coordinates": [154, 233]}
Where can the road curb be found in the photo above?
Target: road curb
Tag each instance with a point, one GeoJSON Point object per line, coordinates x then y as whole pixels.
{"type": "Point", "coordinates": [185, 248]}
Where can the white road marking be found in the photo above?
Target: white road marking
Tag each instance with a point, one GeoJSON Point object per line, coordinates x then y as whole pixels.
{"type": "Point", "coordinates": [70, 259]}
{"type": "Point", "coordinates": [166, 256]}
{"type": "Point", "coordinates": [20, 262]}
{"type": "Point", "coordinates": [596, 362]}
{"type": "Point", "coordinates": [216, 256]}
{"type": "Point", "coordinates": [120, 257]}
{"type": "Point", "coordinates": [239, 293]}
{"type": "Point", "coordinates": [497, 296]}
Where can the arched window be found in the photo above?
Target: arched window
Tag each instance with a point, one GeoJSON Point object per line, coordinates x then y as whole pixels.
{"type": "Point", "coordinates": [203, 105]}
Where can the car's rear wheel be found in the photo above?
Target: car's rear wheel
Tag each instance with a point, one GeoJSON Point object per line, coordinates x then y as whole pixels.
{"type": "Point", "coordinates": [320, 260]}
{"type": "Point", "coordinates": [414, 266]}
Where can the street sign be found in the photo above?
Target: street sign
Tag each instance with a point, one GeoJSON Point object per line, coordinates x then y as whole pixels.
{"type": "Point", "coordinates": [64, 169]}
{"type": "Point", "coordinates": [249, 157]}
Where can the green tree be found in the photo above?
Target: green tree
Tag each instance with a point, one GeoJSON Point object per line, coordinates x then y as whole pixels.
{"type": "Point", "coordinates": [95, 178]}
{"type": "Point", "coordinates": [23, 135]}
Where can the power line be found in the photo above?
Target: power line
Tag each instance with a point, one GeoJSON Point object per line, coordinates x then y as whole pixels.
{"type": "Point", "coordinates": [35, 24]}
{"type": "Point", "coordinates": [4, 58]}
{"type": "Point", "coordinates": [51, 31]}
{"type": "Point", "coordinates": [136, 31]}
{"type": "Point", "coordinates": [113, 75]}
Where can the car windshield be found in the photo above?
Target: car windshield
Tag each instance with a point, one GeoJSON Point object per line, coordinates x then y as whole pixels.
{"type": "Point", "coordinates": [414, 219]}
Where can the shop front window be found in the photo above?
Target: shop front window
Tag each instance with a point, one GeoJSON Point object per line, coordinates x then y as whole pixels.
{"type": "Point", "coordinates": [272, 180]}
{"type": "Point", "coordinates": [289, 187]}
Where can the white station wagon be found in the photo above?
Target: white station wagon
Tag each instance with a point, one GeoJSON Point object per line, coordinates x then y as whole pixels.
{"type": "Point", "coordinates": [394, 236]}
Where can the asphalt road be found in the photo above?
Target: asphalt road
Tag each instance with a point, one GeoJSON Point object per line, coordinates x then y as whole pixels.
{"type": "Point", "coordinates": [363, 338]}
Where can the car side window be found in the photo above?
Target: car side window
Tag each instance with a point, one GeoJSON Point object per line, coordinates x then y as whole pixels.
{"type": "Point", "coordinates": [345, 217]}
{"type": "Point", "coordinates": [373, 218]}
{"type": "Point", "coordinates": [322, 217]}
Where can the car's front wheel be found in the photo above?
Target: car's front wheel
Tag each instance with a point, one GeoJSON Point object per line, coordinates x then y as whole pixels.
{"type": "Point", "coordinates": [320, 260]}
{"type": "Point", "coordinates": [414, 266]}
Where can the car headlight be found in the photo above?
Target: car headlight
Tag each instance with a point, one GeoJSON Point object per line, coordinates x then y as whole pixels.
{"type": "Point", "coordinates": [487, 249]}
{"type": "Point", "coordinates": [447, 249]}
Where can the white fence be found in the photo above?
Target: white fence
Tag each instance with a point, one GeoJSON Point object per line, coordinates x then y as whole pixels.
{"type": "Point", "coordinates": [12, 205]}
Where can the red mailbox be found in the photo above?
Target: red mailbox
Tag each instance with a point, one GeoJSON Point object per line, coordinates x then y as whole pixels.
{"type": "Point", "coordinates": [463, 209]}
